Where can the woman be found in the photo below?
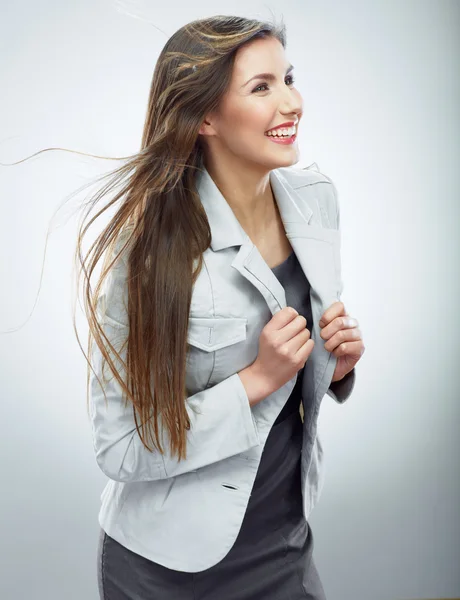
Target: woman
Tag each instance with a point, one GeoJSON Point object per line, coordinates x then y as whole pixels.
{"type": "Point", "coordinates": [206, 301]}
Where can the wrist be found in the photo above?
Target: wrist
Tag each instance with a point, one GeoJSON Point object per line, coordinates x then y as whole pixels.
{"type": "Point", "coordinates": [256, 384]}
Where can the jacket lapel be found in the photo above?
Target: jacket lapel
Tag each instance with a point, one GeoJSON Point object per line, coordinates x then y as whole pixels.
{"type": "Point", "coordinates": [316, 248]}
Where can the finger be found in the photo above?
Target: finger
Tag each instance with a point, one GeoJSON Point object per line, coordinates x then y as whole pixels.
{"type": "Point", "coordinates": [339, 323]}
{"type": "Point", "coordinates": [350, 349]}
{"type": "Point", "coordinates": [342, 336]}
{"type": "Point", "coordinates": [335, 310]}
{"type": "Point", "coordinates": [281, 318]}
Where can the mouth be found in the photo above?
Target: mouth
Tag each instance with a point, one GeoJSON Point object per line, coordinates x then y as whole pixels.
{"type": "Point", "coordinates": [283, 139]}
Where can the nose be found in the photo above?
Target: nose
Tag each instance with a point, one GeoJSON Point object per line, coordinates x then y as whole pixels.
{"type": "Point", "coordinates": [291, 102]}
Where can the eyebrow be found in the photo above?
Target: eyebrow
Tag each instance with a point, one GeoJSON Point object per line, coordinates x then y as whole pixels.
{"type": "Point", "coordinates": [268, 76]}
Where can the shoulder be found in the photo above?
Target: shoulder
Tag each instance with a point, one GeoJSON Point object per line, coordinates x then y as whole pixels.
{"type": "Point", "coordinates": [122, 244]}
{"type": "Point", "coordinates": [299, 177]}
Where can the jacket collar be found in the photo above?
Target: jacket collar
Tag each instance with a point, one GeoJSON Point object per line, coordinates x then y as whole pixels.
{"type": "Point", "coordinates": [226, 230]}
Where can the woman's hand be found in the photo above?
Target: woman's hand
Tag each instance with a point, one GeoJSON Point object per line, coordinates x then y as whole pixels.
{"type": "Point", "coordinates": [284, 347]}
{"type": "Point", "coordinates": [343, 338]}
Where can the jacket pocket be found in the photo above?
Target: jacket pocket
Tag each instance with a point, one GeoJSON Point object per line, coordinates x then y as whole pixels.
{"type": "Point", "coordinates": [213, 352]}
{"type": "Point", "coordinates": [213, 333]}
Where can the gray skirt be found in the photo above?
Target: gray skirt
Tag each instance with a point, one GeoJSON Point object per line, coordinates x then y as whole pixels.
{"type": "Point", "coordinates": [272, 558]}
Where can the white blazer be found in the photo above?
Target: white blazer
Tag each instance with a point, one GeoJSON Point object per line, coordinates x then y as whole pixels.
{"type": "Point", "coordinates": [186, 515]}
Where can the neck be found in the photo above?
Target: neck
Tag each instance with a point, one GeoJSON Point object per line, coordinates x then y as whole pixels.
{"type": "Point", "coordinates": [249, 194]}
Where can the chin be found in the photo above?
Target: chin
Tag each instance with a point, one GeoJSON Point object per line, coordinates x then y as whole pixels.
{"type": "Point", "coordinates": [275, 162]}
{"type": "Point", "coordinates": [289, 161]}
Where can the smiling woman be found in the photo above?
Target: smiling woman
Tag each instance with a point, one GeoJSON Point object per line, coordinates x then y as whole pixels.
{"type": "Point", "coordinates": [227, 518]}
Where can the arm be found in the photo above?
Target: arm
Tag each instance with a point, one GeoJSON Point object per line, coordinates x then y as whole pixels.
{"type": "Point", "coordinates": [226, 426]}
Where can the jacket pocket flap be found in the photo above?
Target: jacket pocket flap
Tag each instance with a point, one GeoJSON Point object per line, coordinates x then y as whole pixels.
{"type": "Point", "coordinates": [214, 333]}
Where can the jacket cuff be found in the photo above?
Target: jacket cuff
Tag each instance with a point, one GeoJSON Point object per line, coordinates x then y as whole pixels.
{"type": "Point", "coordinates": [341, 390]}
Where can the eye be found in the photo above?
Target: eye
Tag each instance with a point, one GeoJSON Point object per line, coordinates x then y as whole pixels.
{"type": "Point", "coordinates": [264, 84]}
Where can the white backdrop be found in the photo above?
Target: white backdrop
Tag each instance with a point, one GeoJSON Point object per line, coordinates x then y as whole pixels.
{"type": "Point", "coordinates": [380, 82]}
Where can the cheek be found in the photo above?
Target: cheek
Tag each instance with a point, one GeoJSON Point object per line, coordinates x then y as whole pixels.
{"type": "Point", "coordinates": [260, 117]}
{"type": "Point", "coordinates": [249, 121]}
{"type": "Point", "coordinates": [242, 140]}
{"type": "Point", "coordinates": [245, 136]}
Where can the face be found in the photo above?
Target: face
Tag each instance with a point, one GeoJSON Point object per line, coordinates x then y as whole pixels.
{"type": "Point", "coordinates": [250, 108]}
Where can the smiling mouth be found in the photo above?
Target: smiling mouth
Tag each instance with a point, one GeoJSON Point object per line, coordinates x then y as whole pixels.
{"type": "Point", "coordinates": [283, 140]}
{"type": "Point", "coordinates": [282, 136]}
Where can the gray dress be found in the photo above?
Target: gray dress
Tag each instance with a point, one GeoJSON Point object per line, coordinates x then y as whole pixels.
{"type": "Point", "coordinates": [272, 558]}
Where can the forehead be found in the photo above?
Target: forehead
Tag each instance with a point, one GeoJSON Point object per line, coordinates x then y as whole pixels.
{"type": "Point", "coordinates": [257, 56]}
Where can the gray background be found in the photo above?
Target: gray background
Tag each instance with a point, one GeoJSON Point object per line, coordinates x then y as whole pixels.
{"type": "Point", "coordinates": [381, 95]}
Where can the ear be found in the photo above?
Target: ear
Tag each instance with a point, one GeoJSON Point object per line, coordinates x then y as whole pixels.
{"type": "Point", "coordinates": [207, 128]}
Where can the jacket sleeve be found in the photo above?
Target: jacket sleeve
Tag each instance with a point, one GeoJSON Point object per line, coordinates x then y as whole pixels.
{"type": "Point", "coordinates": [225, 426]}
{"type": "Point", "coordinates": [341, 390]}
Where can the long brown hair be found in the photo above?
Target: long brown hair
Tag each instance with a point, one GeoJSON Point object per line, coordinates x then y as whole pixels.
{"type": "Point", "coordinates": [160, 229]}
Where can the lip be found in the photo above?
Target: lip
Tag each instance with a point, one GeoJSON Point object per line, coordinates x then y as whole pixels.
{"type": "Point", "coordinates": [287, 124]}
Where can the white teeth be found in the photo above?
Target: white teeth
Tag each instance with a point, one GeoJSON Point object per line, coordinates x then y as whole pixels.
{"type": "Point", "coordinates": [283, 132]}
